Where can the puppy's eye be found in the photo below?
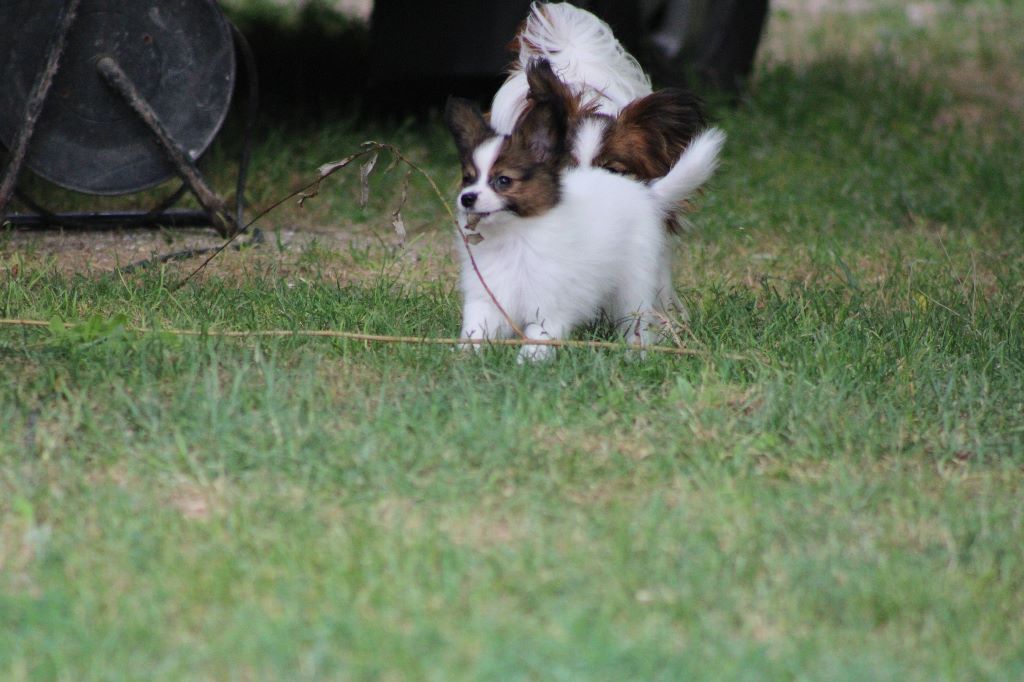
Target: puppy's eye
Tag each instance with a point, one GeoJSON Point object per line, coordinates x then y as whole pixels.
{"type": "Point", "coordinates": [503, 181]}
{"type": "Point", "coordinates": [467, 179]}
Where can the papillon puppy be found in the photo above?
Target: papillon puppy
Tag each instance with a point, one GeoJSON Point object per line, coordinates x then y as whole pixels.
{"type": "Point", "coordinates": [559, 245]}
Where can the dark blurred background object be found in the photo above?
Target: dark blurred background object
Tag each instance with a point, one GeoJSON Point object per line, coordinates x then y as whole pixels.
{"type": "Point", "coordinates": [709, 42]}
{"type": "Point", "coordinates": [181, 56]}
{"type": "Point", "coordinates": [417, 48]}
{"type": "Point", "coordinates": [406, 56]}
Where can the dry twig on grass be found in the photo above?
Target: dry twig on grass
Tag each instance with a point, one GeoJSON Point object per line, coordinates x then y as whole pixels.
{"type": "Point", "coordinates": [312, 189]}
{"type": "Point", "coordinates": [387, 339]}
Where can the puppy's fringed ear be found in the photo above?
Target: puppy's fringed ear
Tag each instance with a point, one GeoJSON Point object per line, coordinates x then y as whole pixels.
{"type": "Point", "coordinates": [542, 131]}
{"type": "Point", "coordinates": [543, 128]}
{"type": "Point", "coordinates": [675, 115]}
{"type": "Point", "coordinates": [544, 85]}
{"type": "Point", "coordinates": [467, 125]}
{"type": "Point", "coordinates": [650, 133]}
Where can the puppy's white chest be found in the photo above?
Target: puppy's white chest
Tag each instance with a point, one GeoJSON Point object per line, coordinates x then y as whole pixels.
{"type": "Point", "coordinates": [518, 268]}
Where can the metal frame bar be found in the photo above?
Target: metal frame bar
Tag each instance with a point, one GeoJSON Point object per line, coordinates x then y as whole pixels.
{"type": "Point", "coordinates": [101, 220]}
{"type": "Point", "coordinates": [116, 78]}
{"type": "Point", "coordinates": [36, 101]}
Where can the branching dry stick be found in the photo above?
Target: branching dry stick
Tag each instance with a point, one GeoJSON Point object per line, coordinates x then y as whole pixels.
{"type": "Point", "coordinates": [312, 189]}
{"type": "Point", "coordinates": [306, 192]}
{"type": "Point", "coordinates": [383, 338]}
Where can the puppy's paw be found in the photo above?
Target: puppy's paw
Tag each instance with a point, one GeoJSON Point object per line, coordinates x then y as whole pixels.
{"type": "Point", "coordinates": [470, 348]}
{"type": "Point", "coordinates": [535, 353]}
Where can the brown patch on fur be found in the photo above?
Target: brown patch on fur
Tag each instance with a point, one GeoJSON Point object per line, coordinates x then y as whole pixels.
{"type": "Point", "coordinates": [519, 38]}
{"type": "Point", "coordinates": [516, 44]}
{"type": "Point", "coordinates": [650, 134]}
{"type": "Point", "coordinates": [526, 170]}
{"type": "Point", "coordinates": [534, 187]}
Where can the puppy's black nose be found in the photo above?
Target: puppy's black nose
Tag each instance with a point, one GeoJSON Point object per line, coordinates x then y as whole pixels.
{"type": "Point", "coordinates": [468, 199]}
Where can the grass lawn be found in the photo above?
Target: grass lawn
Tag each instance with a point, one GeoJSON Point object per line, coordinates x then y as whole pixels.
{"type": "Point", "coordinates": [830, 488]}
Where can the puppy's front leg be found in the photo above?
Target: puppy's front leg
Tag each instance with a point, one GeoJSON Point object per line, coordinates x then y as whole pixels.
{"type": "Point", "coordinates": [482, 320]}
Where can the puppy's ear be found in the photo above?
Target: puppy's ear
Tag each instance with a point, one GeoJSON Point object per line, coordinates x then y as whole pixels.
{"type": "Point", "coordinates": [543, 127]}
{"type": "Point", "coordinates": [674, 114]}
{"type": "Point", "coordinates": [650, 133]}
{"type": "Point", "coordinates": [544, 84]}
{"type": "Point", "coordinates": [541, 132]}
{"type": "Point", "coordinates": [467, 125]}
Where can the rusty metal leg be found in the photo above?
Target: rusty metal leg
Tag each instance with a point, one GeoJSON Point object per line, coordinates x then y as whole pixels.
{"type": "Point", "coordinates": [34, 105]}
{"type": "Point", "coordinates": [222, 220]}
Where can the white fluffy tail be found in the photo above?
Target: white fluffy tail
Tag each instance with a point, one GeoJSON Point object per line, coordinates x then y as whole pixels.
{"type": "Point", "coordinates": [695, 167]}
{"type": "Point", "coordinates": [583, 51]}
{"type": "Point", "coordinates": [584, 54]}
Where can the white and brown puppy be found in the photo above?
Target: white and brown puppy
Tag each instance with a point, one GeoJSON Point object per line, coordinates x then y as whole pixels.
{"type": "Point", "coordinates": [562, 244]}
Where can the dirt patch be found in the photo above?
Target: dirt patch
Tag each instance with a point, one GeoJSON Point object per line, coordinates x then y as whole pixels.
{"type": "Point", "coordinates": [343, 254]}
{"type": "Point", "coordinates": [102, 250]}
{"type": "Point", "coordinates": [197, 502]}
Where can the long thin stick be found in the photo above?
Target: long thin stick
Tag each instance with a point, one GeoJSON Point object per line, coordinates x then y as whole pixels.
{"type": "Point", "coordinates": [304, 191]}
{"type": "Point", "coordinates": [409, 340]}
{"type": "Point", "coordinates": [313, 188]}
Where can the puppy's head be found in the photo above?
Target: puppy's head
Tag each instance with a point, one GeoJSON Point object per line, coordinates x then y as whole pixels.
{"type": "Point", "coordinates": [650, 133]}
{"type": "Point", "coordinates": [518, 173]}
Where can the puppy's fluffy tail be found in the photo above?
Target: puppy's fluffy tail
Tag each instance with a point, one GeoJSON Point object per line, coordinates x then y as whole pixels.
{"type": "Point", "coordinates": [695, 167]}
{"type": "Point", "coordinates": [584, 54]}
{"type": "Point", "coordinates": [582, 50]}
